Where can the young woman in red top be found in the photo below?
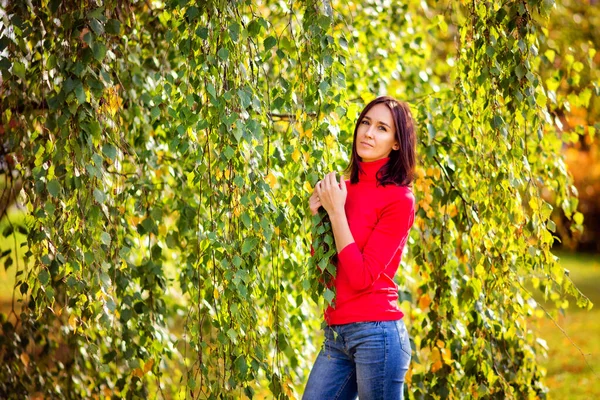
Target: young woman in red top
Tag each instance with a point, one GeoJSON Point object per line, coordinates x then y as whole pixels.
{"type": "Point", "coordinates": [367, 348]}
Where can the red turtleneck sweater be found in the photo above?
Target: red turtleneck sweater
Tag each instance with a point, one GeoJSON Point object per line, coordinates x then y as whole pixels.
{"type": "Point", "coordinates": [380, 218]}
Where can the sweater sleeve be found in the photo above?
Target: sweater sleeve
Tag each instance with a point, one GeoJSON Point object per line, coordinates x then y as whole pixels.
{"type": "Point", "coordinates": [361, 270]}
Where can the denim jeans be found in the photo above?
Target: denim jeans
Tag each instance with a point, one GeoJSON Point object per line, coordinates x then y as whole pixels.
{"type": "Point", "coordinates": [365, 358]}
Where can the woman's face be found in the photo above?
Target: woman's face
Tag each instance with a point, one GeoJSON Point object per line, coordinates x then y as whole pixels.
{"type": "Point", "coordinates": [376, 134]}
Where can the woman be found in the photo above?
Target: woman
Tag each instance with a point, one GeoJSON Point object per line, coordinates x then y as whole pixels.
{"type": "Point", "coordinates": [367, 348]}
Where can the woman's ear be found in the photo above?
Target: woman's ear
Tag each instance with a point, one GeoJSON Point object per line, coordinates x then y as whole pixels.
{"type": "Point", "coordinates": [396, 146]}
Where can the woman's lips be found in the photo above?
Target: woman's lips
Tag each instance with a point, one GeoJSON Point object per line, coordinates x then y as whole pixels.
{"type": "Point", "coordinates": [366, 144]}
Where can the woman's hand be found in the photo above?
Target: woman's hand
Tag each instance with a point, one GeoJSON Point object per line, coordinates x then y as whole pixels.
{"type": "Point", "coordinates": [331, 194]}
{"type": "Point", "coordinates": [314, 203]}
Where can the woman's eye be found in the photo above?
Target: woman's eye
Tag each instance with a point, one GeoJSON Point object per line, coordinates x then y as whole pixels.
{"type": "Point", "coordinates": [383, 128]}
{"type": "Point", "coordinates": [364, 121]}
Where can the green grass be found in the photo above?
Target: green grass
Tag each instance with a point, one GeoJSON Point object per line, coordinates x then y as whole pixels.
{"type": "Point", "coordinates": [568, 374]}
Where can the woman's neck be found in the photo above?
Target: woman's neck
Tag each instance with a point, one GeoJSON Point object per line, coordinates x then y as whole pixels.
{"type": "Point", "coordinates": [368, 170]}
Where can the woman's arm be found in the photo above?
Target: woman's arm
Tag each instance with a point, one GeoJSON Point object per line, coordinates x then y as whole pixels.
{"type": "Point", "coordinates": [361, 268]}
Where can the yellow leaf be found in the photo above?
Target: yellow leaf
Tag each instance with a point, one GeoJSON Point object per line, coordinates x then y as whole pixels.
{"type": "Point", "coordinates": [307, 187]}
{"type": "Point", "coordinates": [162, 230]}
{"type": "Point", "coordinates": [137, 372]}
{"type": "Point", "coordinates": [307, 133]}
{"type": "Point", "coordinates": [440, 343]}
{"type": "Point", "coordinates": [409, 374]}
{"type": "Point", "coordinates": [296, 155]}
{"type": "Point", "coordinates": [424, 301]}
{"type": "Point", "coordinates": [330, 140]}
{"type": "Point", "coordinates": [436, 360]}
{"type": "Point", "coordinates": [479, 270]}
{"type": "Point", "coordinates": [148, 365]}
{"type": "Point", "coordinates": [24, 359]}
{"type": "Point", "coordinates": [456, 122]}
{"type": "Point", "coordinates": [271, 180]}
{"type": "Point", "coordinates": [446, 356]}
{"type": "Point", "coordinates": [73, 321]}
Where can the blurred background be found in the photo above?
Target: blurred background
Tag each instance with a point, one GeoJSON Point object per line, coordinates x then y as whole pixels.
{"type": "Point", "coordinates": [573, 339]}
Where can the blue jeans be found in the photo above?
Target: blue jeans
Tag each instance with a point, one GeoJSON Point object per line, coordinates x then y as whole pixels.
{"type": "Point", "coordinates": [365, 358]}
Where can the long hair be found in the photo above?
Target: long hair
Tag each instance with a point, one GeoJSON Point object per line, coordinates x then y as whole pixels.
{"type": "Point", "coordinates": [400, 169]}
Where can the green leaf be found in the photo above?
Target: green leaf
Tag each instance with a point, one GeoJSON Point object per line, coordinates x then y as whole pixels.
{"type": "Point", "coordinates": [520, 71]}
{"type": "Point", "coordinates": [97, 26]}
{"type": "Point", "coordinates": [237, 261]}
{"type": "Point", "coordinates": [541, 99]}
{"type": "Point", "coordinates": [192, 13]}
{"type": "Point", "coordinates": [202, 32]}
{"type": "Point", "coordinates": [269, 42]}
{"type": "Point", "coordinates": [210, 88]}
{"type": "Point", "coordinates": [99, 196]}
{"type": "Point", "coordinates": [113, 27]}
{"type": "Point", "coordinates": [70, 85]}
{"type": "Point", "coordinates": [124, 251]}
{"type": "Point", "coordinates": [246, 220]}
{"type": "Point", "coordinates": [109, 151]}
{"type": "Point", "coordinates": [229, 153]}
{"type": "Point", "coordinates": [18, 69]}
{"type": "Point", "coordinates": [99, 50]}
{"type": "Point", "coordinates": [44, 277]}
{"type": "Point", "coordinates": [249, 245]}
{"type": "Point", "coordinates": [232, 335]}
{"type": "Point", "coordinates": [149, 225]}
{"type": "Point", "coordinates": [234, 31]}
{"type": "Point", "coordinates": [50, 293]}
{"type": "Point", "coordinates": [223, 53]}
{"type": "Point", "coordinates": [105, 238]}
{"type": "Point", "coordinates": [241, 365]}
{"type": "Point", "coordinates": [79, 93]}
{"type": "Point", "coordinates": [93, 128]}
{"type": "Point", "coordinates": [97, 13]}
{"type": "Point", "coordinates": [4, 64]}
{"type": "Point", "coordinates": [155, 112]}
{"type": "Point", "coordinates": [328, 295]}
{"type": "Point", "coordinates": [53, 188]}
{"type": "Point", "coordinates": [89, 39]}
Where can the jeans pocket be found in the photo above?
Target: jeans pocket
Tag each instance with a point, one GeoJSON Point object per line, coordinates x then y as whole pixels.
{"type": "Point", "coordinates": [404, 337]}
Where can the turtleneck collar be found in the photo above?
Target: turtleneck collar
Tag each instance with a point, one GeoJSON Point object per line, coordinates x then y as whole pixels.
{"type": "Point", "coordinates": [370, 169]}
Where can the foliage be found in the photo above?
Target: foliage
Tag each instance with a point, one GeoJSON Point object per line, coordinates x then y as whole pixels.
{"type": "Point", "coordinates": [167, 151]}
{"type": "Point", "coordinates": [323, 259]}
{"type": "Point", "coordinates": [572, 78]}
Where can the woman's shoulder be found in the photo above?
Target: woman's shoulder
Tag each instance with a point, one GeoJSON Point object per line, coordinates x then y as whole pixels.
{"type": "Point", "coordinates": [397, 193]}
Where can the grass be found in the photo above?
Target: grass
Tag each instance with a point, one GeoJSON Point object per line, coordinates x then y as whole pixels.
{"type": "Point", "coordinates": [573, 355]}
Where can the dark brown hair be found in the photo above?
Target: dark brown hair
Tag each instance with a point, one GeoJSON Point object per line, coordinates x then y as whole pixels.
{"type": "Point", "coordinates": [400, 168]}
